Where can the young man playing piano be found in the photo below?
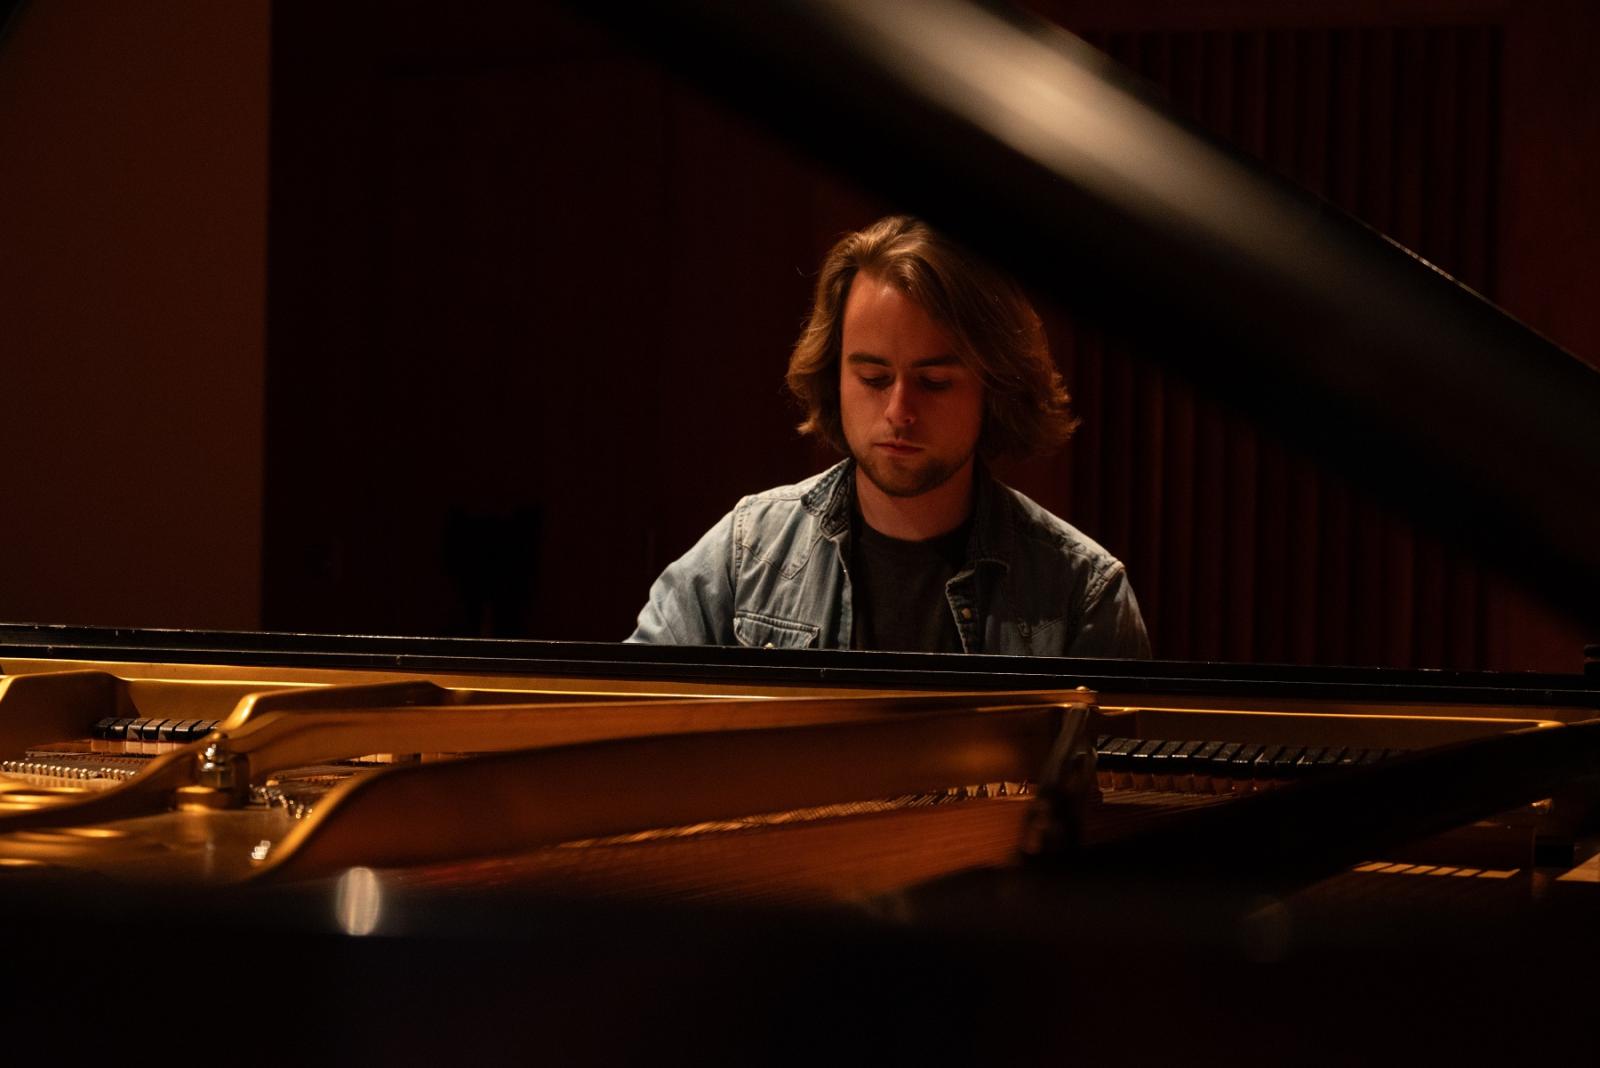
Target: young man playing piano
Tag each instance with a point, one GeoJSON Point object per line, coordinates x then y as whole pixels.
{"type": "Point", "coordinates": [918, 360]}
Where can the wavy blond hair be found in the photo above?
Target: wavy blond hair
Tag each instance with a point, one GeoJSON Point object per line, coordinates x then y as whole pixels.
{"type": "Point", "coordinates": [993, 325]}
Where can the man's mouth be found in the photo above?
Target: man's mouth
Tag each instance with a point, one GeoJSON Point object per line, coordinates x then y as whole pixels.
{"type": "Point", "coordinates": [898, 448]}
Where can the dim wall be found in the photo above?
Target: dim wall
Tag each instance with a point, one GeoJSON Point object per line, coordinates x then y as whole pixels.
{"type": "Point", "coordinates": [132, 292]}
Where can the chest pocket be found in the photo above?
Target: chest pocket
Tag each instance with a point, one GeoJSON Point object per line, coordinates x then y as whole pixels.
{"type": "Point", "coordinates": [765, 632]}
{"type": "Point", "coordinates": [1040, 639]}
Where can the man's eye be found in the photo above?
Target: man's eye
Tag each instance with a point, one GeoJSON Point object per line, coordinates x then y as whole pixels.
{"type": "Point", "coordinates": [875, 381]}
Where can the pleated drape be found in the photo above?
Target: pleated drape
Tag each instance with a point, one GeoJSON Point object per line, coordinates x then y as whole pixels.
{"type": "Point", "coordinates": [1241, 549]}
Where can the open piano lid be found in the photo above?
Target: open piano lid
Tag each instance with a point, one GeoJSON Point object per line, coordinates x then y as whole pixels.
{"type": "Point", "coordinates": [1037, 149]}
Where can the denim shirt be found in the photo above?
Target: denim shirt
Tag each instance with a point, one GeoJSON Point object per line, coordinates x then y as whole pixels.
{"type": "Point", "coordinates": [774, 573]}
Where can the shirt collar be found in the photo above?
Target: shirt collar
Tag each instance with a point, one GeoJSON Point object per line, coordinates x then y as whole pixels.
{"type": "Point", "coordinates": [829, 500]}
{"type": "Point", "coordinates": [993, 532]}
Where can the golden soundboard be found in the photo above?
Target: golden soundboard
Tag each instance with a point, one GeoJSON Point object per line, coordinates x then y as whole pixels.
{"type": "Point", "coordinates": [416, 846]}
{"type": "Point", "coordinates": [744, 785]}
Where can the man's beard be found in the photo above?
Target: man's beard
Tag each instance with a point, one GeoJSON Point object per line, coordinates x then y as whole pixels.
{"type": "Point", "coordinates": [908, 480]}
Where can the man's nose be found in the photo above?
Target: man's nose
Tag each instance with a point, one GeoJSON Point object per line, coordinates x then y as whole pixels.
{"type": "Point", "coordinates": [900, 410]}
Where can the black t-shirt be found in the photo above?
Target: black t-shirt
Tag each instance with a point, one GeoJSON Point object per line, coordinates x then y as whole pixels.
{"type": "Point", "coordinates": [897, 589]}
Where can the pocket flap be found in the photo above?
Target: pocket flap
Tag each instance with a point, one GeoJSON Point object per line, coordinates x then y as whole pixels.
{"type": "Point", "coordinates": [765, 632]}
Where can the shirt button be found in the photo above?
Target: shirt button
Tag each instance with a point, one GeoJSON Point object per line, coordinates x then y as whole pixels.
{"type": "Point", "coordinates": [966, 613]}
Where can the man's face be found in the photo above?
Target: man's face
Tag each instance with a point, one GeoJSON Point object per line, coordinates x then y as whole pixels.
{"type": "Point", "coordinates": [911, 409]}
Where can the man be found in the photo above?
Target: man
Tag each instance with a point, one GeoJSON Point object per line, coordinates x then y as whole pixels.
{"type": "Point", "coordinates": [918, 360]}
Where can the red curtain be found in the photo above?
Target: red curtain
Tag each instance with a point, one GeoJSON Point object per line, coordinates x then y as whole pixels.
{"type": "Point", "coordinates": [1239, 548]}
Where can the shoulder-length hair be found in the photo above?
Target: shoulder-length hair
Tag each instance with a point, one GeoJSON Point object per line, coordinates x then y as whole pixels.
{"type": "Point", "coordinates": [989, 319]}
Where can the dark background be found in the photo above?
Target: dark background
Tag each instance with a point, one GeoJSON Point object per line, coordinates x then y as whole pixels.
{"type": "Point", "coordinates": [464, 319]}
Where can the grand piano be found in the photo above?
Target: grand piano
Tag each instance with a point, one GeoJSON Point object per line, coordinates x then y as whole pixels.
{"type": "Point", "coordinates": [414, 847]}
